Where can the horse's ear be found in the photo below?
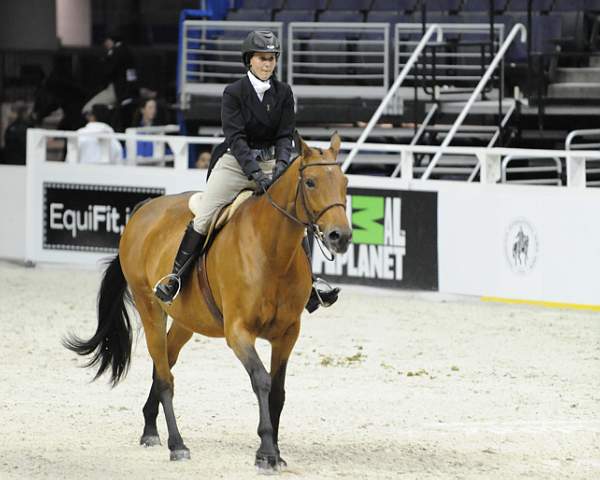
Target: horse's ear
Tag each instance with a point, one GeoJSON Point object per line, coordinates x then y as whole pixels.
{"type": "Point", "coordinates": [302, 147]}
{"type": "Point", "coordinates": [336, 141]}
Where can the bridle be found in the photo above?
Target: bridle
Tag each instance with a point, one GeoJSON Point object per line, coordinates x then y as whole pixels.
{"type": "Point", "coordinates": [311, 226]}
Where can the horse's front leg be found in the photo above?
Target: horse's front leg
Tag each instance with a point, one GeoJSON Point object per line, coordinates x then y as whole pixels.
{"type": "Point", "coordinates": [242, 344]}
{"type": "Point", "coordinates": [282, 348]}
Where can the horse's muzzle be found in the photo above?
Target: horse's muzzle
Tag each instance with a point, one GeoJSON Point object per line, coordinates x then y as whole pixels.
{"type": "Point", "coordinates": [338, 239]}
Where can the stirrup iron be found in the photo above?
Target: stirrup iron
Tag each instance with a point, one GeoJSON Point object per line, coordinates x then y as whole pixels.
{"type": "Point", "coordinates": [328, 289]}
{"type": "Point", "coordinates": [167, 279]}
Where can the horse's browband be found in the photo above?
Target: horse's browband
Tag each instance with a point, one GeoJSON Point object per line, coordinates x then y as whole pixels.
{"type": "Point", "coordinates": [318, 164]}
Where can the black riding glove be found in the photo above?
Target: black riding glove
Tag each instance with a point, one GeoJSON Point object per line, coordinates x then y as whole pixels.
{"type": "Point", "coordinates": [278, 169]}
{"type": "Point", "coordinates": [262, 182]}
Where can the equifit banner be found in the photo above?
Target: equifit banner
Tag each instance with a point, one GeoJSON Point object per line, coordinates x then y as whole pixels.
{"type": "Point", "coordinates": [394, 241]}
{"type": "Point", "coordinates": [89, 217]}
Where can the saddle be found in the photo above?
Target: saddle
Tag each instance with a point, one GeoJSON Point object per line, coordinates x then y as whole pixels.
{"type": "Point", "coordinates": [217, 223]}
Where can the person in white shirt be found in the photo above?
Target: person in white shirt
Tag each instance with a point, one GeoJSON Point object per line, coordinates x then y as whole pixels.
{"type": "Point", "coordinates": [92, 149]}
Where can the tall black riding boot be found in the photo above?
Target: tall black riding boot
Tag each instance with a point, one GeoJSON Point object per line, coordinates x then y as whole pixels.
{"type": "Point", "coordinates": [190, 247]}
{"type": "Point", "coordinates": [318, 298]}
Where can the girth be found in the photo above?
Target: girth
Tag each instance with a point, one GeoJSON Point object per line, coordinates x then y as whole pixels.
{"type": "Point", "coordinates": [206, 291]}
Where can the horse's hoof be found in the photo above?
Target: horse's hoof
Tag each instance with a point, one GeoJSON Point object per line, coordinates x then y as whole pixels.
{"type": "Point", "coordinates": [181, 454]}
{"type": "Point", "coordinates": [150, 441]}
{"type": "Point", "coordinates": [269, 464]}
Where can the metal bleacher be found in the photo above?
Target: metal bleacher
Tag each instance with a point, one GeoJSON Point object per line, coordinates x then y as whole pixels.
{"type": "Point", "coordinates": [352, 51]}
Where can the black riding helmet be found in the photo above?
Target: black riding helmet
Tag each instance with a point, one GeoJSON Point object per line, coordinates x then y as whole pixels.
{"type": "Point", "coordinates": [262, 41]}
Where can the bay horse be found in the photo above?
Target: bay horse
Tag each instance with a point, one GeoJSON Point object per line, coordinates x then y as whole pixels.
{"type": "Point", "coordinates": [260, 279]}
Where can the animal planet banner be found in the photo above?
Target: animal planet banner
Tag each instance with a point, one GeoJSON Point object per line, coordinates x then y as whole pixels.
{"type": "Point", "coordinates": [394, 241]}
{"type": "Point", "coordinates": [89, 217]}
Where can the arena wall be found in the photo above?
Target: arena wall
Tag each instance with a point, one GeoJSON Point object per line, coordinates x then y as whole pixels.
{"type": "Point", "coordinates": [13, 197]}
{"type": "Point", "coordinates": [516, 242]}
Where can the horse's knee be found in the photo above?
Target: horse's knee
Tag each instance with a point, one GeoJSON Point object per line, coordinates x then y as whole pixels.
{"type": "Point", "coordinates": [160, 386]}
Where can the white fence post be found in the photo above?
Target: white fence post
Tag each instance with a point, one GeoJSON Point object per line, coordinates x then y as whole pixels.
{"type": "Point", "coordinates": [407, 159]}
{"type": "Point", "coordinates": [576, 174]}
{"type": "Point", "coordinates": [490, 167]}
{"type": "Point", "coordinates": [179, 147]}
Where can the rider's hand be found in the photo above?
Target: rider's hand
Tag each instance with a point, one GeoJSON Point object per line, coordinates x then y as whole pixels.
{"type": "Point", "coordinates": [262, 181]}
{"type": "Point", "coordinates": [278, 169]}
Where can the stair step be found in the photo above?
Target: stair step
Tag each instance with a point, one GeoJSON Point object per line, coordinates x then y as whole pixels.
{"type": "Point", "coordinates": [574, 90]}
{"type": "Point", "coordinates": [578, 75]}
{"type": "Point", "coordinates": [463, 128]}
{"type": "Point", "coordinates": [481, 107]}
{"type": "Point", "coordinates": [444, 171]}
{"type": "Point", "coordinates": [594, 61]}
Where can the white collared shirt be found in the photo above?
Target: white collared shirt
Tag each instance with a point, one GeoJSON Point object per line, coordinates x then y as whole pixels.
{"type": "Point", "coordinates": [90, 146]}
{"type": "Point", "coordinates": [260, 87]}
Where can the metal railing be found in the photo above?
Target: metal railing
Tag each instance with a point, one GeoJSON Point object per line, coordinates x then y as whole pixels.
{"type": "Point", "coordinates": [460, 60]}
{"type": "Point", "coordinates": [518, 28]}
{"type": "Point", "coordinates": [210, 53]}
{"type": "Point", "coordinates": [335, 59]}
{"type": "Point", "coordinates": [490, 158]}
{"type": "Point", "coordinates": [392, 91]}
{"type": "Point", "coordinates": [492, 143]}
{"type": "Point", "coordinates": [591, 167]}
{"type": "Point", "coordinates": [550, 169]}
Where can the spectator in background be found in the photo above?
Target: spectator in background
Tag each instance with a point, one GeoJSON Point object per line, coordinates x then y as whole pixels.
{"type": "Point", "coordinates": [15, 136]}
{"type": "Point", "coordinates": [120, 80]}
{"type": "Point", "coordinates": [203, 160]}
{"type": "Point", "coordinates": [90, 146]}
{"type": "Point", "coordinates": [145, 117]}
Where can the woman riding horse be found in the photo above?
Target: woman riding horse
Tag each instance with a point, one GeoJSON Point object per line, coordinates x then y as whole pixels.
{"type": "Point", "coordinates": [258, 120]}
{"type": "Point", "coordinates": [259, 281]}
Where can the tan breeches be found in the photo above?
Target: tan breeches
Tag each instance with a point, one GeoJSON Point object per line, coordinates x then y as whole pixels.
{"type": "Point", "coordinates": [225, 182]}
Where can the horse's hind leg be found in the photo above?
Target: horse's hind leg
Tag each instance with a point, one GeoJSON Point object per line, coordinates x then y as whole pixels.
{"type": "Point", "coordinates": [155, 326]}
{"type": "Point", "coordinates": [176, 339]}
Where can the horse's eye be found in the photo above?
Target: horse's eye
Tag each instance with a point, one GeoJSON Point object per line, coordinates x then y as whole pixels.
{"type": "Point", "coordinates": [310, 183]}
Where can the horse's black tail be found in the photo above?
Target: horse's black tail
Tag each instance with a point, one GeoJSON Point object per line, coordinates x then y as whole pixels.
{"type": "Point", "coordinates": [110, 346]}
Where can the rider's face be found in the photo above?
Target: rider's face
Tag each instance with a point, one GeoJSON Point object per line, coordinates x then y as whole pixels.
{"type": "Point", "coordinates": [263, 64]}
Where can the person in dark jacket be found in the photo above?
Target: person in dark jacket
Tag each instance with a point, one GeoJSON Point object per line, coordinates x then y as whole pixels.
{"type": "Point", "coordinates": [15, 136]}
{"type": "Point", "coordinates": [120, 79]}
{"type": "Point", "coordinates": [258, 119]}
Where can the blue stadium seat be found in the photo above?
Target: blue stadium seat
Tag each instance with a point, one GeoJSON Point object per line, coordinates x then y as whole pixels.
{"type": "Point", "coordinates": [536, 5]}
{"type": "Point", "coordinates": [545, 31]}
{"type": "Point", "coordinates": [394, 5]}
{"type": "Point", "coordinates": [341, 16]}
{"type": "Point", "coordinates": [388, 16]}
{"type": "Point", "coordinates": [249, 15]}
{"type": "Point", "coordinates": [264, 4]}
{"type": "Point", "coordinates": [287, 16]}
{"type": "Point", "coordinates": [348, 4]}
{"type": "Point", "coordinates": [305, 4]}
{"type": "Point", "coordinates": [483, 5]}
{"type": "Point", "coordinates": [567, 5]}
{"type": "Point", "coordinates": [445, 6]}
{"type": "Point", "coordinates": [591, 5]}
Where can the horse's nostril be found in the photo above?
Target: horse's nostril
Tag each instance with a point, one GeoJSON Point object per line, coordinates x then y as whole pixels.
{"type": "Point", "coordinates": [334, 236]}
